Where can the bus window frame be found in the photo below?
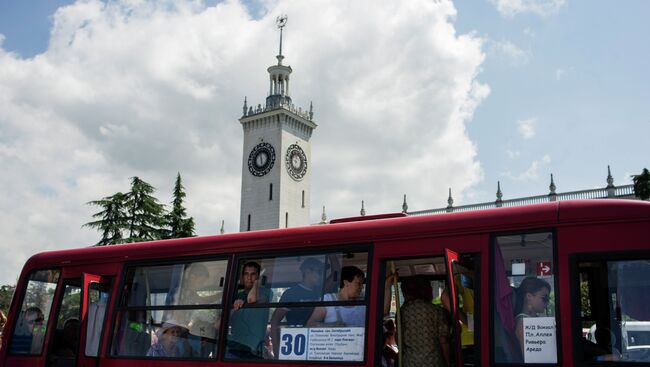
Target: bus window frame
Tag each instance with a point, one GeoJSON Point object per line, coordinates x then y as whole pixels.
{"type": "Point", "coordinates": [240, 258]}
{"type": "Point", "coordinates": [556, 288]}
{"type": "Point", "coordinates": [115, 307]}
{"type": "Point", "coordinates": [574, 289]}
{"type": "Point", "coordinates": [17, 304]}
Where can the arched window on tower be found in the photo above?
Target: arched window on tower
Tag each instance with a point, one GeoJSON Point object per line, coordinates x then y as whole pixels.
{"type": "Point", "coordinates": [286, 220]}
{"type": "Point", "coordinates": [303, 198]}
{"type": "Point", "coordinates": [270, 191]}
{"type": "Point", "coordinates": [248, 226]}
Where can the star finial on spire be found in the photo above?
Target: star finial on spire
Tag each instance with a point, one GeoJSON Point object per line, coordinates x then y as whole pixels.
{"type": "Point", "coordinates": [281, 21]}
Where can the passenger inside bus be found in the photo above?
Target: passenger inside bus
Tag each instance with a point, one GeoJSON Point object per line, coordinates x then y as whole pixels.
{"type": "Point", "coordinates": [531, 300]}
{"type": "Point", "coordinates": [352, 279]}
{"type": "Point", "coordinates": [425, 328]}
{"type": "Point", "coordinates": [248, 324]}
{"type": "Point", "coordinates": [29, 332]}
{"type": "Point", "coordinates": [390, 352]}
{"type": "Point", "coordinates": [171, 341]}
{"type": "Point", "coordinates": [309, 289]}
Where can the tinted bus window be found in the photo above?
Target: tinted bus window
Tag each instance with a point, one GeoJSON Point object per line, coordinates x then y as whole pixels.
{"type": "Point", "coordinates": [29, 332]}
{"type": "Point", "coordinates": [290, 308]}
{"type": "Point", "coordinates": [171, 311]}
{"type": "Point", "coordinates": [524, 298]}
{"type": "Point", "coordinates": [614, 307]}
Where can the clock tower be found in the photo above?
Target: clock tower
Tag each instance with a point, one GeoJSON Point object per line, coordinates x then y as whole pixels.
{"type": "Point", "coordinates": [276, 171]}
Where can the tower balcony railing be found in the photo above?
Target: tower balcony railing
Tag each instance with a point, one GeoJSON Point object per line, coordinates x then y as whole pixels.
{"type": "Point", "coordinates": [281, 104]}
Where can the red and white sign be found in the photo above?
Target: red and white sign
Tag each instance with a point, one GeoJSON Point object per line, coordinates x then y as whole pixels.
{"type": "Point", "coordinates": [544, 268]}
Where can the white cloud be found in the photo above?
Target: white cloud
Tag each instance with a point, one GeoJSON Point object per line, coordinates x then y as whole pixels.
{"type": "Point", "coordinates": [543, 8]}
{"type": "Point", "coordinates": [514, 55]}
{"type": "Point", "coordinates": [526, 128]}
{"type": "Point", "coordinates": [150, 89]}
{"type": "Point", "coordinates": [532, 172]}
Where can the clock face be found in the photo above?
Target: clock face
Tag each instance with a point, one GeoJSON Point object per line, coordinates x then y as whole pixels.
{"type": "Point", "coordinates": [296, 161]}
{"type": "Point", "coordinates": [261, 159]}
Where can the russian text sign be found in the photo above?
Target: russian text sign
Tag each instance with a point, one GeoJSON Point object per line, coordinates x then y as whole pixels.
{"type": "Point", "coordinates": [322, 344]}
{"type": "Point", "coordinates": [540, 340]}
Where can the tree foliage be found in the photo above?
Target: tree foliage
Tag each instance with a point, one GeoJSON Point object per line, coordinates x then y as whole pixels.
{"type": "Point", "coordinates": [111, 220]}
{"type": "Point", "coordinates": [642, 184]}
{"type": "Point", "coordinates": [6, 293]}
{"type": "Point", "coordinates": [178, 224]}
{"type": "Point", "coordinates": [144, 213]}
{"type": "Point", "coordinates": [138, 216]}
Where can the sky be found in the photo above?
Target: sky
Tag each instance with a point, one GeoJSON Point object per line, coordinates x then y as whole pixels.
{"type": "Point", "coordinates": [411, 97]}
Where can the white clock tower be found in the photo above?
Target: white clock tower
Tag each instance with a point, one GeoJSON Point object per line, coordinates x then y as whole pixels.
{"type": "Point", "coordinates": [276, 172]}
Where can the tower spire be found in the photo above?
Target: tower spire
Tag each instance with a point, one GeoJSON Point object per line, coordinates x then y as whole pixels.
{"type": "Point", "coordinates": [281, 21]}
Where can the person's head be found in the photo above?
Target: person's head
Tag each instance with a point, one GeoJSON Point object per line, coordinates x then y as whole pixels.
{"type": "Point", "coordinates": [352, 279]}
{"type": "Point", "coordinates": [417, 287]}
{"type": "Point", "coordinates": [532, 296]}
{"type": "Point", "coordinates": [71, 329]}
{"type": "Point", "coordinates": [389, 328]}
{"type": "Point", "coordinates": [250, 274]}
{"type": "Point", "coordinates": [33, 318]}
{"type": "Point", "coordinates": [197, 276]}
{"type": "Point", "coordinates": [312, 272]}
{"type": "Point", "coordinates": [170, 331]}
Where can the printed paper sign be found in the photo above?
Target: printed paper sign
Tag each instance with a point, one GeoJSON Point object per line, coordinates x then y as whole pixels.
{"type": "Point", "coordinates": [322, 344]}
{"type": "Point", "coordinates": [540, 340]}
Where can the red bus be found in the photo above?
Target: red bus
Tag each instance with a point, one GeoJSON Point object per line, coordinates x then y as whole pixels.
{"type": "Point", "coordinates": [556, 284]}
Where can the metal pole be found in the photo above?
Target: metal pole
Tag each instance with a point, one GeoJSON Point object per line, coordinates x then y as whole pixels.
{"type": "Point", "coordinates": [398, 318]}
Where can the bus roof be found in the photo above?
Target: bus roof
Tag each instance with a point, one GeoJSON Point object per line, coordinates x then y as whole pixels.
{"type": "Point", "coordinates": [496, 219]}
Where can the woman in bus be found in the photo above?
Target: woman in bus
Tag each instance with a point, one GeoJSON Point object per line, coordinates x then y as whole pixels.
{"type": "Point", "coordinates": [532, 299]}
{"type": "Point", "coordinates": [352, 279]}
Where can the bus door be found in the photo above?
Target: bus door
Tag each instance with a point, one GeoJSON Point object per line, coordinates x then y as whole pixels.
{"type": "Point", "coordinates": [77, 325]}
{"type": "Point", "coordinates": [94, 302]}
{"type": "Point", "coordinates": [418, 315]}
{"type": "Point", "coordinates": [460, 278]}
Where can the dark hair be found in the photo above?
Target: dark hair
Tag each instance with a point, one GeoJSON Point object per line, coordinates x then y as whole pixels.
{"type": "Point", "coordinates": [529, 285]}
{"type": "Point", "coordinates": [349, 273]}
{"type": "Point", "coordinates": [417, 287]}
{"type": "Point", "coordinates": [251, 264]}
{"type": "Point", "coordinates": [35, 310]}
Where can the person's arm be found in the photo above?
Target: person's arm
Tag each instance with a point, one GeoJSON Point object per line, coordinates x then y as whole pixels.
{"type": "Point", "coordinates": [277, 317]}
{"type": "Point", "coordinates": [388, 294]}
{"type": "Point", "coordinates": [317, 317]}
{"type": "Point", "coordinates": [519, 332]}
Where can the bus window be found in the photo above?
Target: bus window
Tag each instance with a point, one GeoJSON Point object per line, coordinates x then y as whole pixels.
{"type": "Point", "coordinates": [64, 340]}
{"type": "Point", "coordinates": [524, 313]}
{"type": "Point", "coordinates": [29, 332]}
{"type": "Point", "coordinates": [289, 308]}
{"type": "Point", "coordinates": [170, 311]}
{"type": "Point", "coordinates": [614, 299]}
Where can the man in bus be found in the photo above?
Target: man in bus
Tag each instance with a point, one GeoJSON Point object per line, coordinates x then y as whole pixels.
{"type": "Point", "coordinates": [28, 336]}
{"type": "Point", "coordinates": [248, 324]}
{"type": "Point", "coordinates": [309, 289]}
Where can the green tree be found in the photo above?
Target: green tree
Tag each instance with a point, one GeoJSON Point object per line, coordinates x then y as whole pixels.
{"type": "Point", "coordinates": [146, 216]}
{"type": "Point", "coordinates": [111, 220]}
{"type": "Point", "coordinates": [6, 293]}
{"type": "Point", "coordinates": [178, 224]}
{"type": "Point", "coordinates": [642, 184]}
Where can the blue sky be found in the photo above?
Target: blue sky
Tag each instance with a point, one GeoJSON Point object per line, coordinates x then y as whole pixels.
{"type": "Point", "coordinates": [411, 98]}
